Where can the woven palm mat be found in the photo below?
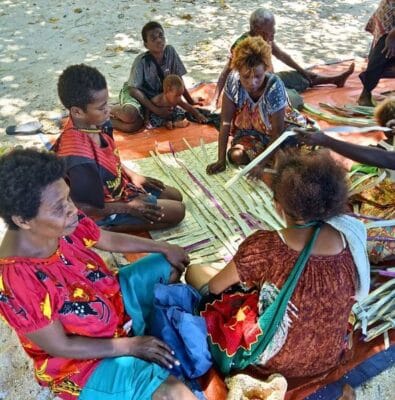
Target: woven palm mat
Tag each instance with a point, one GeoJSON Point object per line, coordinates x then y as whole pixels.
{"type": "Point", "coordinates": [217, 219]}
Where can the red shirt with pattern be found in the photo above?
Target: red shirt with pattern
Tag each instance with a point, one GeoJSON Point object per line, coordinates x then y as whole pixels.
{"type": "Point", "coordinates": [74, 287]}
{"type": "Point", "coordinates": [94, 171]}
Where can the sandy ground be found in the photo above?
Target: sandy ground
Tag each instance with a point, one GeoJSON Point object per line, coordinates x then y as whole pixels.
{"type": "Point", "coordinates": [40, 38]}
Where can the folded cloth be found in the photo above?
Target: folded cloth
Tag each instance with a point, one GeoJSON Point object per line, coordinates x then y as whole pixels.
{"type": "Point", "coordinates": [174, 321]}
{"type": "Point", "coordinates": [294, 80]}
{"type": "Point", "coordinates": [137, 281]}
{"type": "Point", "coordinates": [355, 234]}
{"type": "Point", "coordinates": [213, 119]}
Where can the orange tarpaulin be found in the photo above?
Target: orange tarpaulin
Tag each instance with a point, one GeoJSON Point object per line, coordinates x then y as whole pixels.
{"type": "Point", "coordinates": [139, 144]}
{"type": "Point", "coordinates": [215, 389]}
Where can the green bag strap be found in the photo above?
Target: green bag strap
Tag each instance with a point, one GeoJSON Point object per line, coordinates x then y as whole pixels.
{"type": "Point", "coordinates": [274, 314]}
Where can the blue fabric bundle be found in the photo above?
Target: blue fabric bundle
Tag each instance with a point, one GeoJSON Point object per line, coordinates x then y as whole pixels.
{"type": "Point", "coordinates": [174, 321]}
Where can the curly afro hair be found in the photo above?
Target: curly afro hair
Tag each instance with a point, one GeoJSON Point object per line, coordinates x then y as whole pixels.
{"type": "Point", "coordinates": [310, 187]}
{"type": "Point", "coordinates": [24, 173]}
{"type": "Point", "coordinates": [385, 111]}
{"type": "Point", "coordinates": [251, 52]}
{"type": "Point", "coordinates": [77, 85]}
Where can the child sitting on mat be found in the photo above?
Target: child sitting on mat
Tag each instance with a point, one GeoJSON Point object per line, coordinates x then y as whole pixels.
{"type": "Point", "coordinates": [100, 184]}
{"type": "Point", "coordinates": [146, 78]}
{"type": "Point", "coordinates": [173, 89]}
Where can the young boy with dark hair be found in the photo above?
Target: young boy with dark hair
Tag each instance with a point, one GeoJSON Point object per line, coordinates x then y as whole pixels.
{"type": "Point", "coordinates": [99, 184]}
{"type": "Point", "coordinates": [148, 71]}
{"type": "Point", "coordinates": [173, 89]}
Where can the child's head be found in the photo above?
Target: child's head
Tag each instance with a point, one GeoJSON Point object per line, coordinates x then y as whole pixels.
{"type": "Point", "coordinates": [309, 187]}
{"type": "Point", "coordinates": [173, 89]}
{"type": "Point", "coordinates": [385, 111]}
{"type": "Point", "coordinates": [153, 37]}
{"type": "Point", "coordinates": [83, 91]}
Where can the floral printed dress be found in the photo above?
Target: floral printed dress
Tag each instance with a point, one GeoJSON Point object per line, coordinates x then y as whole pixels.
{"type": "Point", "coordinates": [252, 120]}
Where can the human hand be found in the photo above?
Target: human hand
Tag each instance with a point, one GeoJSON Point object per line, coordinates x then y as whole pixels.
{"type": "Point", "coordinates": [147, 124]}
{"type": "Point", "coordinates": [310, 136]}
{"type": "Point", "coordinates": [390, 124]}
{"type": "Point", "coordinates": [198, 101]}
{"type": "Point", "coordinates": [216, 167]}
{"type": "Point", "coordinates": [214, 104]}
{"type": "Point", "coordinates": [389, 46]}
{"type": "Point", "coordinates": [153, 184]}
{"type": "Point", "coordinates": [176, 256]}
{"type": "Point", "coordinates": [142, 208]}
{"type": "Point", "coordinates": [169, 125]}
{"type": "Point", "coordinates": [151, 349]}
{"type": "Point", "coordinates": [200, 117]}
{"type": "Point", "coordinates": [146, 182]}
{"type": "Point", "coordinates": [137, 179]}
{"type": "Point", "coordinates": [256, 173]}
{"type": "Point", "coordinates": [175, 275]}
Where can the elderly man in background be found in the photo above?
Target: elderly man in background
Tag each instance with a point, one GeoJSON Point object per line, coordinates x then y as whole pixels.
{"type": "Point", "coordinates": [262, 23]}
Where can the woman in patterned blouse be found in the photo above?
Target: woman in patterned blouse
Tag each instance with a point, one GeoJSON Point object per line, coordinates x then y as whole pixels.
{"type": "Point", "coordinates": [254, 106]}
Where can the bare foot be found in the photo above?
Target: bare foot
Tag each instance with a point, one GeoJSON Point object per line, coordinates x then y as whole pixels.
{"type": "Point", "coordinates": [365, 99]}
{"type": "Point", "coordinates": [181, 124]}
{"type": "Point", "coordinates": [169, 125]}
{"type": "Point", "coordinates": [344, 76]}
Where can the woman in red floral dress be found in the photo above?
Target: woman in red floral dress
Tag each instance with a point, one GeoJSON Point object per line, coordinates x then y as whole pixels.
{"type": "Point", "coordinates": [67, 308]}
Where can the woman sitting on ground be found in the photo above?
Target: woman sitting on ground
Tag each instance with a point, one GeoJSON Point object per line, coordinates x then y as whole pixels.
{"type": "Point", "coordinates": [310, 193]}
{"type": "Point", "coordinates": [254, 106]}
{"type": "Point", "coordinates": [71, 313]}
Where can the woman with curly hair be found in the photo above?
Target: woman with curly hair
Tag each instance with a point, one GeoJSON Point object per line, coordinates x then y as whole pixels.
{"type": "Point", "coordinates": [282, 304]}
{"type": "Point", "coordinates": [254, 105]}
{"type": "Point", "coordinates": [82, 324]}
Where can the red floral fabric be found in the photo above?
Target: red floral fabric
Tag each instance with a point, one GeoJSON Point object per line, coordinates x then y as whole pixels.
{"type": "Point", "coordinates": [323, 298]}
{"type": "Point", "coordinates": [231, 321]}
{"type": "Point", "coordinates": [74, 287]}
